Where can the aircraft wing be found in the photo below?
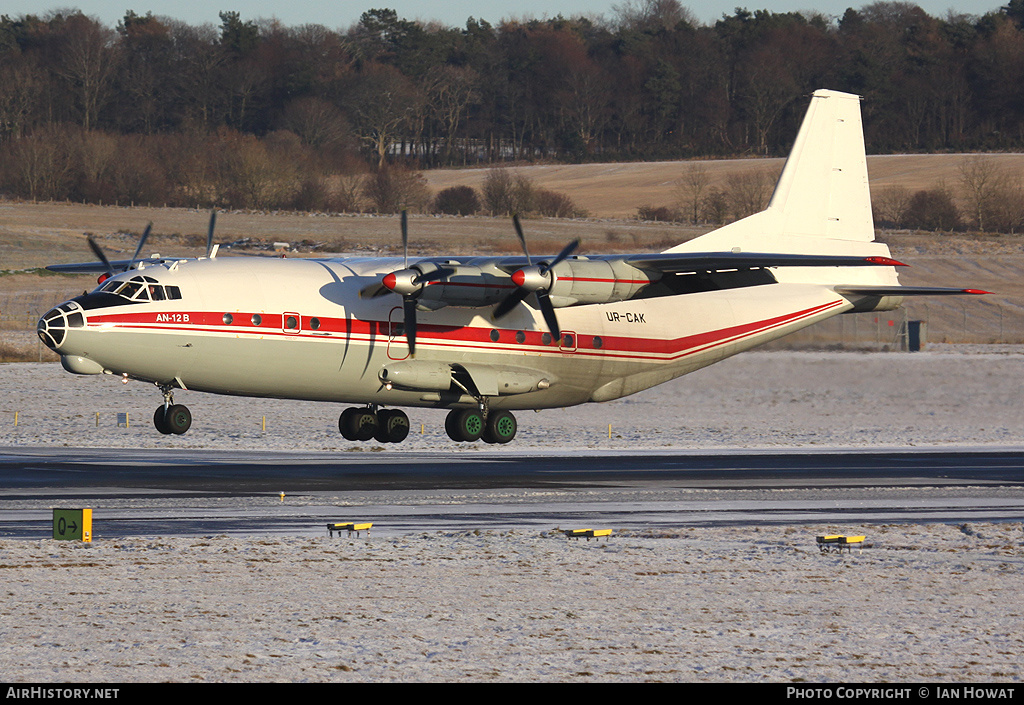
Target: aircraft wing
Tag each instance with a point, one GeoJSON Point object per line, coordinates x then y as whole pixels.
{"type": "Point", "coordinates": [715, 261]}
{"type": "Point", "coordinates": [97, 266]}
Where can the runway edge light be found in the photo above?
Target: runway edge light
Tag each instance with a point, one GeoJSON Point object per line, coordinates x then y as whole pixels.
{"type": "Point", "coordinates": [72, 525]}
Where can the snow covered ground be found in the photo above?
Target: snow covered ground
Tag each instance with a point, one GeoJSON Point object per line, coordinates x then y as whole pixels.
{"type": "Point", "coordinates": [930, 602]}
{"type": "Point", "coordinates": [935, 603]}
{"type": "Point", "coordinates": [948, 395]}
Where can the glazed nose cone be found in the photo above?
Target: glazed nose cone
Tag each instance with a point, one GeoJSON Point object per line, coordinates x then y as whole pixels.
{"type": "Point", "coordinates": [53, 327]}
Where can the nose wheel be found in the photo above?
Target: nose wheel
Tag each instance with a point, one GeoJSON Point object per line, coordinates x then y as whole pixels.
{"type": "Point", "coordinates": [175, 419]}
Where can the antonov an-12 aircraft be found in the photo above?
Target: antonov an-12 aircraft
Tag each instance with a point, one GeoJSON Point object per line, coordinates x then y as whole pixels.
{"type": "Point", "coordinates": [486, 336]}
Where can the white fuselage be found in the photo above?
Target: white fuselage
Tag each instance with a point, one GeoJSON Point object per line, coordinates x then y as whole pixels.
{"type": "Point", "coordinates": [298, 329]}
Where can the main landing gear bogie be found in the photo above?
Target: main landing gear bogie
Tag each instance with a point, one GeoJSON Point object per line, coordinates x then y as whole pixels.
{"type": "Point", "coordinates": [392, 425]}
{"type": "Point", "coordinates": [469, 425]}
{"type": "Point", "coordinates": [384, 425]}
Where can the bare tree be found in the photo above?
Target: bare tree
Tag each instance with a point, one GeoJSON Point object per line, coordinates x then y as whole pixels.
{"type": "Point", "coordinates": [87, 62]}
{"type": "Point", "coordinates": [451, 91]}
{"type": "Point", "coordinates": [651, 15]}
{"type": "Point", "coordinates": [748, 192]}
{"type": "Point", "coordinates": [981, 182]}
{"type": "Point", "coordinates": [20, 86]}
{"type": "Point", "coordinates": [381, 104]}
{"type": "Point", "coordinates": [692, 189]}
{"type": "Point", "coordinates": [890, 206]}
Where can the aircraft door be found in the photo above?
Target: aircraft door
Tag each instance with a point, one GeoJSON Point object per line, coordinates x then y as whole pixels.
{"type": "Point", "coordinates": [398, 346]}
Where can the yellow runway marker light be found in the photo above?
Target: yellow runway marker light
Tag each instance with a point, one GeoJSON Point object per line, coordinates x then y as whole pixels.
{"type": "Point", "coordinates": [587, 533]}
{"type": "Point", "coordinates": [350, 527]}
{"type": "Point", "coordinates": [835, 543]}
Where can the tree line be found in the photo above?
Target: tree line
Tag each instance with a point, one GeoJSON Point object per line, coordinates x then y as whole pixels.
{"type": "Point", "coordinates": [258, 114]}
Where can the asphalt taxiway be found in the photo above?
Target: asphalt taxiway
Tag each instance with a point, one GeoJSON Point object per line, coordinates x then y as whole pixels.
{"type": "Point", "coordinates": [160, 491]}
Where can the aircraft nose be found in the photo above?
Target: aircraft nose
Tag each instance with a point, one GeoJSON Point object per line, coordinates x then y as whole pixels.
{"type": "Point", "coordinates": [53, 327]}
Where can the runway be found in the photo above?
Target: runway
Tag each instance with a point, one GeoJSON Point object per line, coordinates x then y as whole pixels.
{"type": "Point", "coordinates": [164, 492]}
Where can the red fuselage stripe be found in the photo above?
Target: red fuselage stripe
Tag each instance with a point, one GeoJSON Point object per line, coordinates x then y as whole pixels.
{"type": "Point", "coordinates": [452, 336]}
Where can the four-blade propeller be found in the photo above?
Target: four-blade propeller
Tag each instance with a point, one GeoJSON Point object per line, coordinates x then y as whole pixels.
{"type": "Point", "coordinates": [407, 282]}
{"type": "Point", "coordinates": [535, 279]}
{"type": "Point", "coordinates": [112, 268]}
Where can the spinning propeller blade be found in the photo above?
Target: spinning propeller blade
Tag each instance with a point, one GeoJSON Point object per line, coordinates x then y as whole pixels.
{"type": "Point", "coordinates": [408, 282]}
{"type": "Point", "coordinates": [142, 242]}
{"type": "Point", "coordinates": [209, 233]}
{"type": "Point", "coordinates": [535, 279]}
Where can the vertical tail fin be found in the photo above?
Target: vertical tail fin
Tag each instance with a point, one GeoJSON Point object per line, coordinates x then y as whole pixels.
{"type": "Point", "coordinates": [823, 190]}
{"type": "Point", "coordinates": [821, 203]}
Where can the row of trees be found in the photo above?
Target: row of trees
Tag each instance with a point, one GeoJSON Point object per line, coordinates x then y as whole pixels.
{"type": "Point", "coordinates": [257, 114]}
{"type": "Point", "coordinates": [650, 81]}
{"type": "Point", "coordinates": [230, 169]}
{"type": "Point", "coordinates": [986, 196]}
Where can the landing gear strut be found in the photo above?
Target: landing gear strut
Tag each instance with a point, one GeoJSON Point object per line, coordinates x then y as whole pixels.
{"type": "Point", "coordinates": [364, 423]}
{"type": "Point", "coordinates": [170, 417]}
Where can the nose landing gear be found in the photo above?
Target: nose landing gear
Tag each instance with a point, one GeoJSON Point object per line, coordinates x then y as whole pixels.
{"type": "Point", "coordinates": [170, 417]}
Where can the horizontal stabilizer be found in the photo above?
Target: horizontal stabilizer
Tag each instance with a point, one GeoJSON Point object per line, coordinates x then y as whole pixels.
{"type": "Point", "coordinates": [905, 291]}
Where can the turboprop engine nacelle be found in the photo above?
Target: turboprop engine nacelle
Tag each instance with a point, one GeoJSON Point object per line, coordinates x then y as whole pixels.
{"type": "Point", "coordinates": [596, 281]}
{"type": "Point", "coordinates": [468, 285]}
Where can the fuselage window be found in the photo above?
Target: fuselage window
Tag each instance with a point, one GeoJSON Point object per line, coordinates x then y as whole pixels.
{"type": "Point", "coordinates": [520, 337]}
{"type": "Point", "coordinates": [256, 319]}
{"type": "Point", "coordinates": [291, 323]}
{"type": "Point", "coordinates": [314, 323]}
{"type": "Point", "coordinates": [495, 335]}
{"type": "Point", "coordinates": [228, 319]}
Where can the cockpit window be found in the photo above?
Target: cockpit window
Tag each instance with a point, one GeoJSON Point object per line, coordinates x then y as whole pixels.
{"type": "Point", "coordinates": [130, 289]}
{"type": "Point", "coordinates": [141, 288]}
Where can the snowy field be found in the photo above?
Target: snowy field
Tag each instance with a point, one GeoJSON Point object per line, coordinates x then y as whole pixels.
{"type": "Point", "coordinates": [934, 603]}
{"type": "Point", "coordinates": [930, 602]}
{"type": "Point", "coordinates": [948, 395]}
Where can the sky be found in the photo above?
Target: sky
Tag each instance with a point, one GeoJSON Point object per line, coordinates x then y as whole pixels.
{"type": "Point", "coordinates": [342, 14]}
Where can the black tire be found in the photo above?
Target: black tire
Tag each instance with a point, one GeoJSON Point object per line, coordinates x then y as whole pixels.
{"type": "Point", "coordinates": [465, 425]}
{"type": "Point", "coordinates": [160, 420]}
{"type": "Point", "coordinates": [178, 419]}
{"type": "Point", "coordinates": [347, 425]}
{"type": "Point", "coordinates": [451, 424]}
{"type": "Point", "coordinates": [501, 427]}
{"type": "Point", "coordinates": [393, 426]}
{"type": "Point", "coordinates": [364, 421]}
